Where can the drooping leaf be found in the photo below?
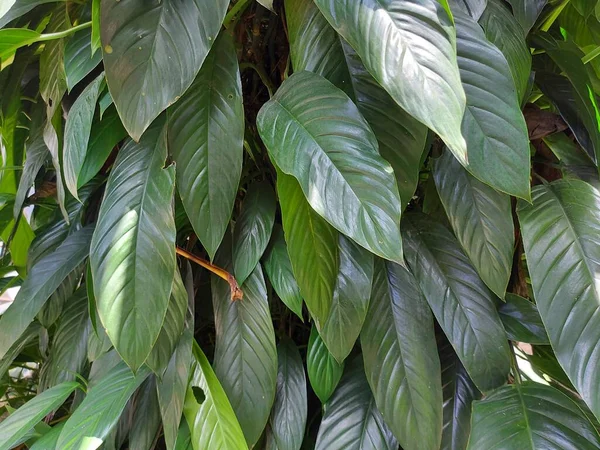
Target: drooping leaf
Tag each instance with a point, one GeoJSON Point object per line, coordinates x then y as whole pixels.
{"type": "Point", "coordinates": [212, 422]}
{"type": "Point", "coordinates": [245, 354]}
{"type": "Point", "coordinates": [493, 125]}
{"type": "Point", "coordinates": [79, 61]}
{"type": "Point", "coordinates": [522, 320]}
{"type": "Point", "coordinates": [312, 245]}
{"type": "Point", "coordinates": [462, 304]}
{"type": "Point", "coordinates": [350, 299]}
{"type": "Point", "coordinates": [206, 132]}
{"type": "Point", "coordinates": [48, 440]}
{"type": "Point", "coordinates": [459, 392]}
{"type": "Point", "coordinates": [474, 8]}
{"type": "Point", "coordinates": [43, 279]}
{"type": "Point", "coordinates": [102, 407]}
{"type": "Point", "coordinates": [172, 327]}
{"type": "Point", "coordinates": [11, 39]}
{"type": "Point", "coordinates": [401, 362]}
{"type": "Point", "coordinates": [37, 153]}
{"type": "Point", "coordinates": [481, 218]}
{"type": "Point", "coordinates": [351, 420]}
{"type": "Point", "coordinates": [172, 387]}
{"type": "Point", "coordinates": [253, 229]}
{"type": "Point", "coordinates": [290, 409]}
{"type": "Point", "coordinates": [502, 30]}
{"type": "Point", "coordinates": [324, 372]}
{"type": "Point", "coordinates": [133, 248]}
{"type": "Point", "coordinates": [30, 333]}
{"type": "Point", "coordinates": [146, 68]}
{"type": "Point", "coordinates": [145, 423]}
{"type": "Point", "coordinates": [527, 11]}
{"type": "Point", "coordinates": [409, 47]}
{"type": "Point", "coordinates": [560, 239]}
{"type": "Point", "coordinates": [530, 416]}
{"type": "Point", "coordinates": [77, 133]}
{"type": "Point", "coordinates": [53, 308]}
{"type": "Point", "coordinates": [279, 270]}
{"type": "Point", "coordinates": [314, 132]}
{"type": "Point", "coordinates": [15, 426]}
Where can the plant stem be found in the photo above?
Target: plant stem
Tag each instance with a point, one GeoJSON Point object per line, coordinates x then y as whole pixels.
{"type": "Point", "coordinates": [262, 75]}
{"type": "Point", "coordinates": [233, 15]}
{"type": "Point", "coordinates": [65, 33]}
{"type": "Point", "coordinates": [236, 292]}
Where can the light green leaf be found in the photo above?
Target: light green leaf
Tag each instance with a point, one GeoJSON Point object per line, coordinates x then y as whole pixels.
{"type": "Point", "coordinates": [312, 245]}
{"type": "Point", "coordinates": [493, 125]}
{"type": "Point", "coordinates": [48, 440]}
{"type": "Point", "coordinates": [79, 61]}
{"type": "Point", "coordinates": [409, 47]}
{"type": "Point", "coordinates": [15, 426]}
{"type": "Point", "coordinates": [324, 372]}
{"type": "Point", "coordinates": [11, 39]}
{"type": "Point", "coordinates": [43, 279]}
{"type": "Point", "coordinates": [77, 133]}
{"type": "Point", "coordinates": [133, 248]}
{"type": "Point", "coordinates": [245, 355]}
{"type": "Point", "coordinates": [481, 218]}
{"type": "Point", "coordinates": [314, 132]}
{"type": "Point", "coordinates": [278, 268]}
{"type": "Point", "coordinates": [212, 422]}
{"type": "Point", "coordinates": [531, 417]}
{"type": "Point", "coordinates": [145, 423]}
{"type": "Point", "coordinates": [351, 420]}
{"type": "Point", "coordinates": [146, 69]}
{"type": "Point", "coordinates": [95, 43]}
{"type": "Point", "coordinates": [288, 416]}
{"type": "Point", "coordinates": [527, 11]}
{"type": "Point", "coordinates": [100, 410]}
{"type": "Point", "coordinates": [253, 229]}
{"type": "Point", "coordinates": [560, 232]}
{"type": "Point", "coordinates": [462, 304]}
{"type": "Point", "coordinates": [400, 358]}
{"type": "Point", "coordinates": [206, 132]}
{"type": "Point", "coordinates": [350, 299]}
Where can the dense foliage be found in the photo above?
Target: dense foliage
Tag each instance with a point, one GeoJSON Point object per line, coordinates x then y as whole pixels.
{"type": "Point", "coordinates": [300, 224]}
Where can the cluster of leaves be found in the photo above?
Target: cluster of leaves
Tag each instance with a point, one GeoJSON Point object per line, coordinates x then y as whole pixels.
{"type": "Point", "coordinates": [398, 198]}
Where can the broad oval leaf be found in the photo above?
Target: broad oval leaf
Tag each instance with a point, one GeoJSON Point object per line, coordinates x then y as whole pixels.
{"type": "Point", "coordinates": [279, 270]}
{"type": "Point", "coordinates": [462, 304]}
{"type": "Point", "coordinates": [245, 354]}
{"type": "Point", "coordinates": [312, 246]}
{"type": "Point", "coordinates": [522, 321]}
{"type": "Point", "coordinates": [351, 420]}
{"type": "Point", "coordinates": [142, 43]}
{"type": "Point", "coordinates": [212, 423]}
{"type": "Point", "coordinates": [324, 372]}
{"type": "Point", "coordinates": [481, 218]}
{"type": "Point", "coordinates": [409, 47]}
{"type": "Point", "coordinates": [43, 279]}
{"type": "Point", "coordinates": [79, 60]}
{"type": "Point", "coordinates": [206, 133]}
{"type": "Point", "coordinates": [290, 409]}
{"type": "Point", "coordinates": [350, 299]}
{"type": "Point", "coordinates": [133, 248]}
{"type": "Point", "coordinates": [493, 125]}
{"type": "Point", "coordinates": [560, 237]}
{"type": "Point", "coordinates": [253, 229]}
{"type": "Point", "coordinates": [314, 132]}
{"type": "Point", "coordinates": [15, 426]}
{"type": "Point", "coordinates": [400, 356]}
{"type": "Point", "coordinates": [531, 417]}
{"type": "Point", "coordinates": [100, 410]}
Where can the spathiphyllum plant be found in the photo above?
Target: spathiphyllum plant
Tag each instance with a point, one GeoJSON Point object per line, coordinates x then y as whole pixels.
{"type": "Point", "coordinates": [300, 224]}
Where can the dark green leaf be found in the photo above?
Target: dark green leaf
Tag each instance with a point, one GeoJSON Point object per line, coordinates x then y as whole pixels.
{"type": "Point", "coordinates": [288, 416]}
{"type": "Point", "coordinates": [145, 423]}
{"type": "Point", "coordinates": [462, 304]}
{"type": "Point", "coordinates": [473, 8]}
{"type": "Point", "coordinates": [560, 237]}
{"type": "Point", "coordinates": [409, 47]}
{"type": "Point", "coordinates": [324, 372]}
{"type": "Point", "coordinates": [44, 278]}
{"type": "Point", "coordinates": [146, 68]}
{"type": "Point", "coordinates": [13, 9]}
{"type": "Point", "coordinates": [253, 229]}
{"type": "Point", "coordinates": [79, 61]}
{"type": "Point", "coordinates": [100, 410]}
{"type": "Point", "coordinates": [401, 362]}
{"type": "Point", "coordinates": [527, 11]}
{"type": "Point", "coordinates": [351, 420]}
{"type": "Point", "coordinates": [37, 153]}
{"type": "Point", "coordinates": [522, 320]}
{"type": "Point", "coordinates": [481, 218]}
{"type": "Point", "coordinates": [206, 132]}
{"type": "Point", "coordinates": [133, 248]}
{"type": "Point", "coordinates": [530, 416]}
{"type": "Point", "coordinates": [30, 333]}
{"type": "Point", "coordinates": [314, 132]}
{"type": "Point", "coordinates": [48, 440]}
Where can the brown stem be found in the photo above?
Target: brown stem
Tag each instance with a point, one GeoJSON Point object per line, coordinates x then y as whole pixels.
{"type": "Point", "coordinates": [236, 292]}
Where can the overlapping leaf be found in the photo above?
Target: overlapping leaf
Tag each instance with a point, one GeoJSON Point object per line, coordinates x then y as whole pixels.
{"type": "Point", "coordinates": [79, 61]}
{"type": "Point", "coordinates": [527, 11]}
{"type": "Point", "coordinates": [324, 372]}
{"type": "Point", "coordinates": [522, 320]}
